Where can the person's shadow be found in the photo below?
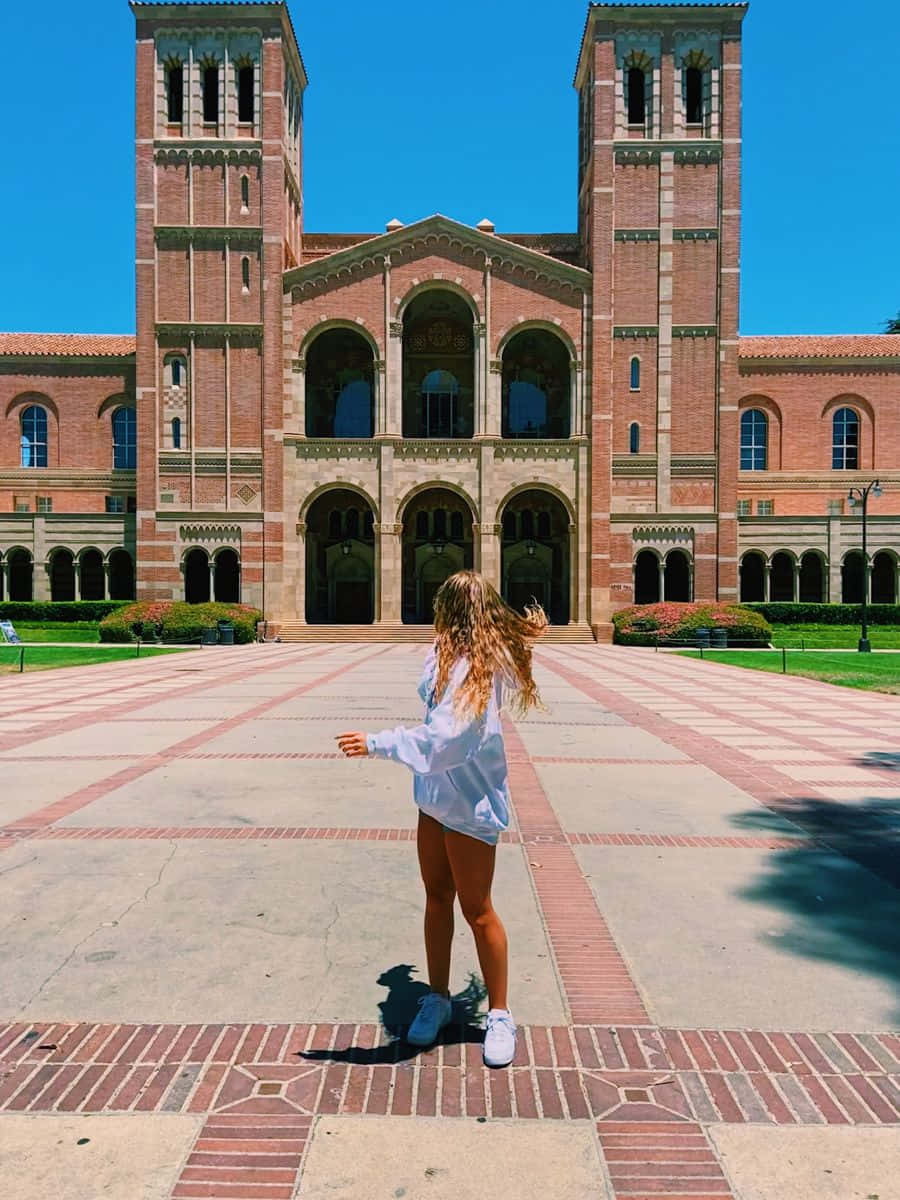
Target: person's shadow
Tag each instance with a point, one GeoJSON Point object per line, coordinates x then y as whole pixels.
{"type": "Point", "coordinates": [398, 1010]}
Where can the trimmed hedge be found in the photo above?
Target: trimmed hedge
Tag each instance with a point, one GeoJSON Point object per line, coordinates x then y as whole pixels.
{"type": "Point", "coordinates": [46, 612]}
{"type": "Point", "coordinates": [785, 613]}
{"type": "Point", "coordinates": [642, 624]}
{"type": "Point", "coordinates": [176, 621]}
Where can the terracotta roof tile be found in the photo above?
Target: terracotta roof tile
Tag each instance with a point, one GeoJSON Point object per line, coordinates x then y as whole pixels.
{"type": "Point", "coordinates": [843, 345]}
{"type": "Point", "coordinates": [55, 345]}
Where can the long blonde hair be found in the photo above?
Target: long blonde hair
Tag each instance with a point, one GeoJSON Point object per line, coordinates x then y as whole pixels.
{"type": "Point", "coordinates": [471, 621]}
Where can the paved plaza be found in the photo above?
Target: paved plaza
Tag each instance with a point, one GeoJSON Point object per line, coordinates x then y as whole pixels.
{"type": "Point", "coordinates": [210, 931]}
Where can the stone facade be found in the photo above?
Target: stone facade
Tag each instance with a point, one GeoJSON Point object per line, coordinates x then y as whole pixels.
{"type": "Point", "coordinates": [327, 424]}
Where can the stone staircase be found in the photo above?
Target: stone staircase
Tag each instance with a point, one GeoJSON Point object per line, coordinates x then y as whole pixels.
{"type": "Point", "coordinates": [294, 631]}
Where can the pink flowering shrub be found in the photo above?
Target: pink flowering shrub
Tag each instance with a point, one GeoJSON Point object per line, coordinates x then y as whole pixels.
{"type": "Point", "coordinates": [641, 624]}
{"type": "Point", "coordinates": [176, 621]}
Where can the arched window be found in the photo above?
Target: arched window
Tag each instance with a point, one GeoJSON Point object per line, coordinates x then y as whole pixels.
{"type": "Point", "coordinates": [440, 522]}
{"type": "Point", "coordinates": [635, 374]}
{"type": "Point", "coordinates": [637, 96]}
{"type": "Point", "coordinates": [245, 273]}
{"type": "Point", "coordinates": [175, 93]}
{"type": "Point", "coordinates": [245, 193]}
{"type": "Point", "coordinates": [536, 385]}
{"type": "Point", "coordinates": [634, 438]}
{"type": "Point", "coordinates": [352, 522]}
{"type": "Point", "coordinates": [124, 428]}
{"type": "Point", "coordinates": [177, 371]}
{"type": "Point", "coordinates": [245, 95]}
{"type": "Point", "coordinates": [438, 366]}
{"type": "Point", "coordinates": [509, 526]}
{"type": "Point", "coordinates": [176, 433]}
{"type": "Point", "coordinates": [527, 519]}
{"type": "Point", "coordinates": [693, 95]}
{"type": "Point", "coordinates": [340, 370]}
{"type": "Point", "coordinates": [34, 436]}
{"type": "Point", "coordinates": [211, 95]}
{"type": "Point", "coordinates": [543, 524]}
{"type": "Point", "coordinates": [440, 395]}
{"type": "Point", "coordinates": [456, 526]}
{"type": "Point", "coordinates": [845, 440]}
{"type": "Point", "coordinates": [334, 524]}
{"type": "Point", "coordinates": [754, 440]}
{"type": "Point", "coordinates": [422, 525]}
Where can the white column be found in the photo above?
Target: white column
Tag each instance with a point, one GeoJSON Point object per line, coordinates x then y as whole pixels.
{"type": "Point", "coordinates": [488, 535]}
{"type": "Point", "coordinates": [576, 400]}
{"type": "Point", "coordinates": [768, 582]}
{"type": "Point", "coordinates": [394, 375]}
{"type": "Point", "coordinates": [298, 373]}
{"type": "Point", "coordinates": [105, 579]}
{"type": "Point", "coordinates": [389, 581]}
{"type": "Point", "coordinates": [212, 579]}
{"type": "Point", "coordinates": [573, 572]}
{"type": "Point", "coordinates": [76, 567]}
{"type": "Point", "coordinates": [795, 591]}
{"type": "Point", "coordinates": [479, 353]}
{"type": "Point", "coordinates": [4, 579]}
{"type": "Point", "coordinates": [300, 599]}
{"type": "Point", "coordinates": [662, 578]}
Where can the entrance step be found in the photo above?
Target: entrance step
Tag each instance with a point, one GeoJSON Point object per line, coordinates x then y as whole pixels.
{"type": "Point", "coordinates": [295, 631]}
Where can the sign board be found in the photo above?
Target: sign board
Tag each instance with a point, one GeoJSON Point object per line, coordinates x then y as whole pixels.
{"type": "Point", "coordinates": [9, 634]}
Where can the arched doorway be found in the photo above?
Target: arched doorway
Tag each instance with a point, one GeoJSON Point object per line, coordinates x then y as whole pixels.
{"type": "Point", "coordinates": [21, 575]}
{"type": "Point", "coordinates": [852, 575]}
{"type": "Point", "coordinates": [536, 386]}
{"type": "Point", "coordinates": [646, 578]}
{"type": "Point", "coordinates": [121, 576]}
{"type": "Point", "coordinates": [678, 576]}
{"type": "Point", "coordinates": [438, 367]}
{"type": "Point", "coordinates": [196, 576]}
{"type": "Point", "coordinates": [753, 577]}
{"type": "Point", "coordinates": [437, 541]}
{"type": "Point", "coordinates": [340, 559]}
{"type": "Point", "coordinates": [227, 577]}
{"type": "Point", "coordinates": [884, 575]}
{"type": "Point", "coordinates": [92, 582]}
{"type": "Point", "coordinates": [781, 578]}
{"type": "Point", "coordinates": [340, 374]}
{"type": "Point", "coordinates": [535, 556]}
{"type": "Point", "coordinates": [812, 579]}
{"type": "Point", "coordinates": [62, 575]}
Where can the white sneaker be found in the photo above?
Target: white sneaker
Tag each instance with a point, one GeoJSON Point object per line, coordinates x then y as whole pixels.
{"type": "Point", "coordinates": [499, 1038]}
{"type": "Point", "coordinates": [435, 1011]}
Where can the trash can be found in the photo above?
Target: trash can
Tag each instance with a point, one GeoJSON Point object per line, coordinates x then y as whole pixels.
{"type": "Point", "coordinates": [226, 633]}
{"type": "Point", "coordinates": [209, 637]}
{"type": "Point", "coordinates": [719, 639]}
{"type": "Point", "coordinates": [702, 639]}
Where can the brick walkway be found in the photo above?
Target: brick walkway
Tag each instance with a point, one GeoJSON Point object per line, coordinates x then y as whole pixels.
{"type": "Point", "coordinates": [701, 887]}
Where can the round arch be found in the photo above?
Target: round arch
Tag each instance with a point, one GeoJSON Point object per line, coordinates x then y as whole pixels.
{"type": "Point", "coordinates": [884, 576]}
{"type": "Point", "coordinates": [647, 571]}
{"type": "Point", "coordinates": [402, 303]}
{"type": "Point", "coordinates": [226, 572]}
{"type": "Point", "coordinates": [111, 403]}
{"type": "Point", "coordinates": [677, 575]}
{"type": "Point", "coordinates": [195, 568]}
{"type": "Point", "coordinates": [337, 484]}
{"type": "Point", "coordinates": [752, 572]}
{"type": "Point", "coordinates": [121, 574]}
{"type": "Point", "coordinates": [430, 485]}
{"type": "Point", "coordinates": [772, 411]}
{"type": "Point", "coordinates": [61, 569]}
{"type": "Point", "coordinates": [813, 574]}
{"type": "Point", "coordinates": [339, 556]}
{"type": "Point", "coordinates": [20, 565]}
{"type": "Point", "coordinates": [536, 487]}
{"type": "Point", "coordinates": [536, 552]}
{"type": "Point", "coordinates": [438, 538]}
{"type": "Point", "coordinates": [91, 574]}
{"type": "Point", "coordinates": [25, 399]}
{"type": "Point", "coordinates": [852, 577]}
{"type": "Point", "coordinates": [782, 574]}
{"type": "Point", "coordinates": [536, 324]}
{"type": "Point", "coordinates": [335, 323]}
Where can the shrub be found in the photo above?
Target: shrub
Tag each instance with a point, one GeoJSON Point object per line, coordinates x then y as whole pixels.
{"type": "Point", "coordinates": [176, 621]}
{"type": "Point", "coordinates": [47, 612]}
{"type": "Point", "coordinates": [785, 613]}
{"type": "Point", "coordinates": [642, 624]}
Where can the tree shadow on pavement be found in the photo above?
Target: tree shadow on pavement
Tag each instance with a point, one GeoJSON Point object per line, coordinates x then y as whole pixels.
{"type": "Point", "coordinates": [398, 1010]}
{"type": "Point", "coordinates": [841, 914]}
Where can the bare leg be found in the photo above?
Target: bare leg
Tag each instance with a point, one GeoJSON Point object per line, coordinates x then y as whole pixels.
{"type": "Point", "coordinates": [440, 894]}
{"type": "Point", "coordinates": [472, 864]}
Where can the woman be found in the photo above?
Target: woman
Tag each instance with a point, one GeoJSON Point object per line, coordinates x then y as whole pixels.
{"type": "Point", "coordinates": [481, 647]}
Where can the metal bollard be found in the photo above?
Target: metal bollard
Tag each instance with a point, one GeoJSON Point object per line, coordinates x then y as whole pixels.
{"type": "Point", "coordinates": [784, 660]}
{"type": "Point", "coordinates": [21, 659]}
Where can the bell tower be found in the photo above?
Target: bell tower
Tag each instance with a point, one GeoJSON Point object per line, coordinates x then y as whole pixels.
{"type": "Point", "coordinates": [659, 219]}
{"type": "Point", "coordinates": [219, 218]}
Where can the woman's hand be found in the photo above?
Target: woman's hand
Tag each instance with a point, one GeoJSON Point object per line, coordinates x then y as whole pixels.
{"type": "Point", "coordinates": [353, 745]}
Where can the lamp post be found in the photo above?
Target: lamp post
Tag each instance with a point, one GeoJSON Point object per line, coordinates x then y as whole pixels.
{"type": "Point", "coordinates": [860, 495]}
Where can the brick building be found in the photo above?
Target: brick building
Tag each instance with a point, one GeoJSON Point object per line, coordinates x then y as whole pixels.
{"type": "Point", "coordinates": [326, 425]}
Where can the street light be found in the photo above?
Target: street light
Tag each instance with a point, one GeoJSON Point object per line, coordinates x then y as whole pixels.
{"type": "Point", "coordinates": [860, 495]}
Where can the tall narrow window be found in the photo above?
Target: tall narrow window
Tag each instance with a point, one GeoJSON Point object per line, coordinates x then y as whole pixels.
{"type": "Point", "coordinates": [34, 437]}
{"type": "Point", "coordinates": [245, 94]}
{"type": "Point", "coordinates": [245, 193]}
{"type": "Point", "coordinates": [176, 433]}
{"type": "Point", "coordinates": [211, 95]}
{"type": "Point", "coordinates": [637, 96]}
{"type": "Point", "coordinates": [175, 93]}
{"type": "Point", "coordinates": [845, 442]}
{"type": "Point", "coordinates": [124, 425]}
{"type": "Point", "coordinates": [245, 274]}
{"type": "Point", "coordinates": [634, 438]}
{"type": "Point", "coordinates": [754, 440]}
{"type": "Point", "coordinates": [693, 95]}
{"type": "Point", "coordinates": [635, 374]}
{"type": "Point", "coordinates": [176, 372]}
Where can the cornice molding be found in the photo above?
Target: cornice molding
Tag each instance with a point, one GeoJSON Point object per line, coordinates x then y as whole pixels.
{"type": "Point", "coordinates": [695, 235]}
{"type": "Point", "coordinates": [209, 234]}
{"type": "Point", "coordinates": [39, 479]}
{"type": "Point", "coordinates": [436, 231]}
{"type": "Point", "coordinates": [186, 329]}
{"type": "Point", "coordinates": [635, 331]}
{"type": "Point", "coordinates": [637, 235]}
{"type": "Point", "coordinates": [694, 331]}
{"type": "Point", "coordinates": [240, 150]}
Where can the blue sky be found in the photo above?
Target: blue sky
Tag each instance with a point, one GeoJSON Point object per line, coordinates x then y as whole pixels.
{"type": "Point", "coordinates": [467, 109]}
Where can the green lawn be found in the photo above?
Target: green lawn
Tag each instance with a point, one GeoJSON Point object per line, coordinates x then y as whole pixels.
{"type": "Point", "coordinates": [837, 637]}
{"type": "Point", "coordinates": [42, 658]}
{"type": "Point", "coordinates": [874, 672]}
{"type": "Point", "coordinates": [58, 631]}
